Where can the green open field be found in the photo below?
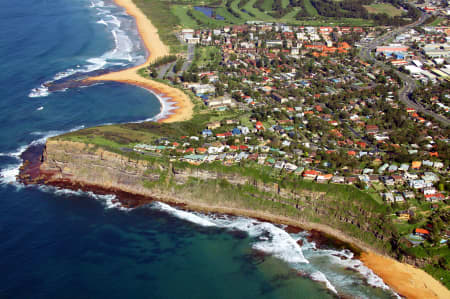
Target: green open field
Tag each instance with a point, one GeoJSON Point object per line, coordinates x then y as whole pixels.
{"type": "Point", "coordinates": [169, 17]}
{"type": "Point", "coordinates": [229, 16]}
{"type": "Point", "coordinates": [236, 9]}
{"type": "Point", "coordinates": [436, 22]}
{"type": "Point", "coordinates": [267, 5]}
{"type": "Point", "coordinates": [207, 55]}
{"type": "Point", "coordinates": [181, 11]}
{"type": "Point", "coordinates": [310, 9]}
{"type": "Point", "coordinates": [257, 13]}
{"type": "Point", "coordinates": [334, 22]}
{"type": "Point", "coordinates": [386, 8]}
{"type": "Point", "coordinates": [202, 19]}
{"type": "Point", "coordinates": [162, 17]}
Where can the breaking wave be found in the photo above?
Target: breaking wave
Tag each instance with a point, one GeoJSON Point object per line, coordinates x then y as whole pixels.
{"type": "Point", "coordinates": [268, 237]}
{"type": "Point", "coordinates": [9, 173]}
{"type": "Point", "coordinates": [125, 51]}
{"type": "Point", "coordinates": [110, 201]}
{"type": "Point", "coordinates": [319, 276]}
{"type": "Point", "coordinates": [191, 217]}
{"type": "Point", "coordinates": [272, 239]}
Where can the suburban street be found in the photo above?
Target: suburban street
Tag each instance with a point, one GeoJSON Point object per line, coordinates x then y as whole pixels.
{"type": "Point", "coordinates": [190, 58]}
{"type": "Point", "coordinates": [409, 83]}
{"type": "Point", "coordinates": [167, 69]}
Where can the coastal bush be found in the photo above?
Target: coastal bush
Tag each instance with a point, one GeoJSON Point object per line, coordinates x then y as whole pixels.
{"type": "Point", "coordinates": [161, 16]}
{"type": "Point", "coordinates": [163, 60]}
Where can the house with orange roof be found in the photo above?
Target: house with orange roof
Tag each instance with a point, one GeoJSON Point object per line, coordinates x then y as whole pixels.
{"type": "Point", "coordinates": [344, 45]}
{"type": "Point", "coordinates": [421, 231]}
{"type": "Point", "coordinates": [310, 174]}
{"type": "Point", "coordinates": [361, 144]}
{"type": "Point", "coordinates": [434, 154]}
{"type": "Point", "coordinates": [201, 150]}
{"type": "Point", "coordinates": [259, 125]}
{"type": "Point", "coordinates": [324, 178]}
{"type": "Point", "coordinates": [416, 164]}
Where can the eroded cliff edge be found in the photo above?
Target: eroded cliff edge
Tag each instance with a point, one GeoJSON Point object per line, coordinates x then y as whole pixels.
{"type": "Point", "coordinates": [79, 165]}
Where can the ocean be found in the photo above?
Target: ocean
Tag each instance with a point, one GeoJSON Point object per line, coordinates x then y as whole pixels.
{"type": "Point", "coordinates": [66, 244]}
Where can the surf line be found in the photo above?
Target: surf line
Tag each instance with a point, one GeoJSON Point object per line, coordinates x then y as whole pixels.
{"type": "Point", "coordinates": [180, 103]}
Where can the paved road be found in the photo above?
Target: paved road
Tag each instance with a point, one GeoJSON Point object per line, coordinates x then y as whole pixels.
{"type": "Point", "coordinates": [163, 69]}
{"type": "Point", "coordinates": [409, 83]}
{"type": "Point", "coordinates": [167, 69]}
{"type": "Point", "coordinates": [190, 58]}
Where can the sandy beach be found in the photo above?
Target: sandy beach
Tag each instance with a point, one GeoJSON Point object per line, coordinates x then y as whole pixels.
{"type": "Point", "coordinates": [405, 279]}
{"type": "Point", "coordinates": [157, 49]}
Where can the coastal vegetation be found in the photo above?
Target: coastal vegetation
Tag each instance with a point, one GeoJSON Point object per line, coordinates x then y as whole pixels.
{"type": "Point", "coordinates": [163, 19]}
{"type": "Point", "coordinates": [260, 188]}
{"type": "Point", "coordinates": [295, 118]}
{"type": "Point", "coordinates": [167, 15]}
{"type": "Point", "coordinates": [384, 8]}
{"type": "Point", "coordinates": [164, 60]}
{"type": "Point", "coordinates": [383, 231]}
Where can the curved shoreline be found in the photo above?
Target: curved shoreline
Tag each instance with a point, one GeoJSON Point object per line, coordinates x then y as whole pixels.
{"type": "Point", "coordinates": [404, 279]}
{"type": "Point", "coordinates": [183, 108]}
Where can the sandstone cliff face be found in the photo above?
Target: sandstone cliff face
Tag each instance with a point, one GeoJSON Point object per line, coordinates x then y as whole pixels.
{"type": "Point", "coordinates": [87, 165]}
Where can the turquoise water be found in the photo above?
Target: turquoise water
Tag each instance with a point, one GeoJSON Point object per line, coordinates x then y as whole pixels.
{"type": "Point", "coordinates": [65, 244]}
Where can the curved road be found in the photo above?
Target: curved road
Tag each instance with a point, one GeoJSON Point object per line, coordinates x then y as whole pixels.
{"type": "Point", "coordinates": [409, 84]}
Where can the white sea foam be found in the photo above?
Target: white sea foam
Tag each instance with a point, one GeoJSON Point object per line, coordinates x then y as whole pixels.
{"type": "Point", "coordinates": [114, 20]}
{"type": "Point", "coordinates": [110, 201]}
{"type": "Point", "coordinates": [124, 52]}
{"type": "Point", "coordinates": [165, 110]}
{"type": "Point", "coordinates": [47, 134]}
{"type": "Point", "coordinates": [102, 22]}
{"type": "Point", "coordinates": [280, 243]}
{"type": "Point", "coordinates": [319, 276]}
{"type": "Point", "coordinates": [345, 260]}
{"type": "Point", "coordinates": [274, 240]}
{"type": "Point", "coordinates": [41, 91]}
{"type": "Point", "coordinates": [269, 238]}
{"type": "Point", "coordinates": [191, 217]}
{"type": "Point", "coordinates": [96, 4]}
{"type": "Point", "coordinates": [9, 173]}
{"type": "Point", "coordinates": [355, 264]}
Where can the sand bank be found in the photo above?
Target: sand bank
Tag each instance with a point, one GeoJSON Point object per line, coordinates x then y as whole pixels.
{"type": "Point", "coordinates": [406, 280]}
{"type": "Point", "coordinates": [157, 49]}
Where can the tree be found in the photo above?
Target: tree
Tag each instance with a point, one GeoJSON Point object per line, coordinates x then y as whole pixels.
{"type": "Point", "coordinates": [178, 65]}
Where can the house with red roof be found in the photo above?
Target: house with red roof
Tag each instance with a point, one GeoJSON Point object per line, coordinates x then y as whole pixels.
{"type": "Point", "coordinates": [259, 125]}
{"type": "Point", "coordinates": [310, 174]}
{"type": "Point", "coordinates": [422, 232]}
